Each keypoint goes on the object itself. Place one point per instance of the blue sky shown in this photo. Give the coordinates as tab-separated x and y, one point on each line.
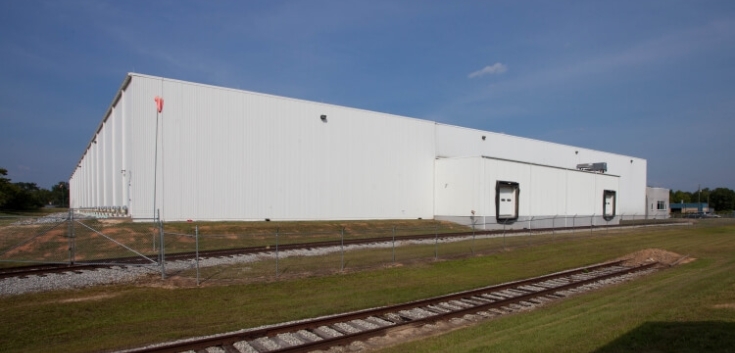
651	79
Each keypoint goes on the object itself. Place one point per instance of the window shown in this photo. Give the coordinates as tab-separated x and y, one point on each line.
661	205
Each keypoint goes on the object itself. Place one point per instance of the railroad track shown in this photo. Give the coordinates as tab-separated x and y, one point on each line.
43	269
340	330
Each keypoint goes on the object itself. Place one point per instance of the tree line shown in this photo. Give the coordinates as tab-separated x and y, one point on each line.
721	199
29	196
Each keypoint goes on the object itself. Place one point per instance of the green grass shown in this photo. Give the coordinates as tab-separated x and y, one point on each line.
686	308
300	266
689	308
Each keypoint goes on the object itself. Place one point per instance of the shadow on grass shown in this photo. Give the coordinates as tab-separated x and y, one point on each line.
704	336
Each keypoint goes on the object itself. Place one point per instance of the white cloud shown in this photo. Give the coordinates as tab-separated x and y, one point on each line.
496	68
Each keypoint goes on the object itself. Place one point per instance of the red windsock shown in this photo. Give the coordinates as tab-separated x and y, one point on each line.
159	103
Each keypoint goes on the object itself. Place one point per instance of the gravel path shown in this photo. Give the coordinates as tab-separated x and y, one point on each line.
47	219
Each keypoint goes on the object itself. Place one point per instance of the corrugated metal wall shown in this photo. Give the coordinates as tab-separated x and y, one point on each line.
228	154
464	184
98	182
224	154
453	141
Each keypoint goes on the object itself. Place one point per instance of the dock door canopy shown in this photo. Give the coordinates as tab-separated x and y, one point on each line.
608	204
506	201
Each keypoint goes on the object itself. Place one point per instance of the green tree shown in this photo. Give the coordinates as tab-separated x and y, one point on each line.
704	197
722	199
678	196
7	189
26	196
60	194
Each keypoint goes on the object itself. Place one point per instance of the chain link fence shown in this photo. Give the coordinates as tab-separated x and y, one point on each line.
74	238
222	251
279	254
25	240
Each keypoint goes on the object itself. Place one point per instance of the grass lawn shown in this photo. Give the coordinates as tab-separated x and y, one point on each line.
687	308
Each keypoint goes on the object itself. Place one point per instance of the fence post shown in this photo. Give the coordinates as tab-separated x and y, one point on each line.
504	222
277	233
574	218
394	244
436	242
342	247
530	221
72	242
196	240
592	222
153	237
472	249
162	248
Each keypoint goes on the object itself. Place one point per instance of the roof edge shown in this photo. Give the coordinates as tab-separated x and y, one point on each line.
115	99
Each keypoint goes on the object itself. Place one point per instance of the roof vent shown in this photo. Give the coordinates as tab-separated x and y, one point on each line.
593	167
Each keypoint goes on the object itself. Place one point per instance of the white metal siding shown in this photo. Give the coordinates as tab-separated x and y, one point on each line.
230	154
454	141
141	113
468	183
549	191
460	188
582	197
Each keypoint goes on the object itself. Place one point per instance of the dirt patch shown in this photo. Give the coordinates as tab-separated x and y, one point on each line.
89	298
108	221
725	306
153	280
655	255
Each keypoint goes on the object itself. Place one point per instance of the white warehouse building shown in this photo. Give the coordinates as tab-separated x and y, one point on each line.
216	153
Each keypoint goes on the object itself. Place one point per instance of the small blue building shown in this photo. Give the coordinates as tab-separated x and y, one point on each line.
692	207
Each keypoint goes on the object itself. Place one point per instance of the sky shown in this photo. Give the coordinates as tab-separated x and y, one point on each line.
650	79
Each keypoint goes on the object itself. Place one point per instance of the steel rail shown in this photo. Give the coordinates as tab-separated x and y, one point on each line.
228	340
43	269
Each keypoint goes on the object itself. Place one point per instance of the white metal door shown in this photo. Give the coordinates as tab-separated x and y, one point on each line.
507	202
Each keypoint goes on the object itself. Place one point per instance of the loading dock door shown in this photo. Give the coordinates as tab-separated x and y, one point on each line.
608	206
506	201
